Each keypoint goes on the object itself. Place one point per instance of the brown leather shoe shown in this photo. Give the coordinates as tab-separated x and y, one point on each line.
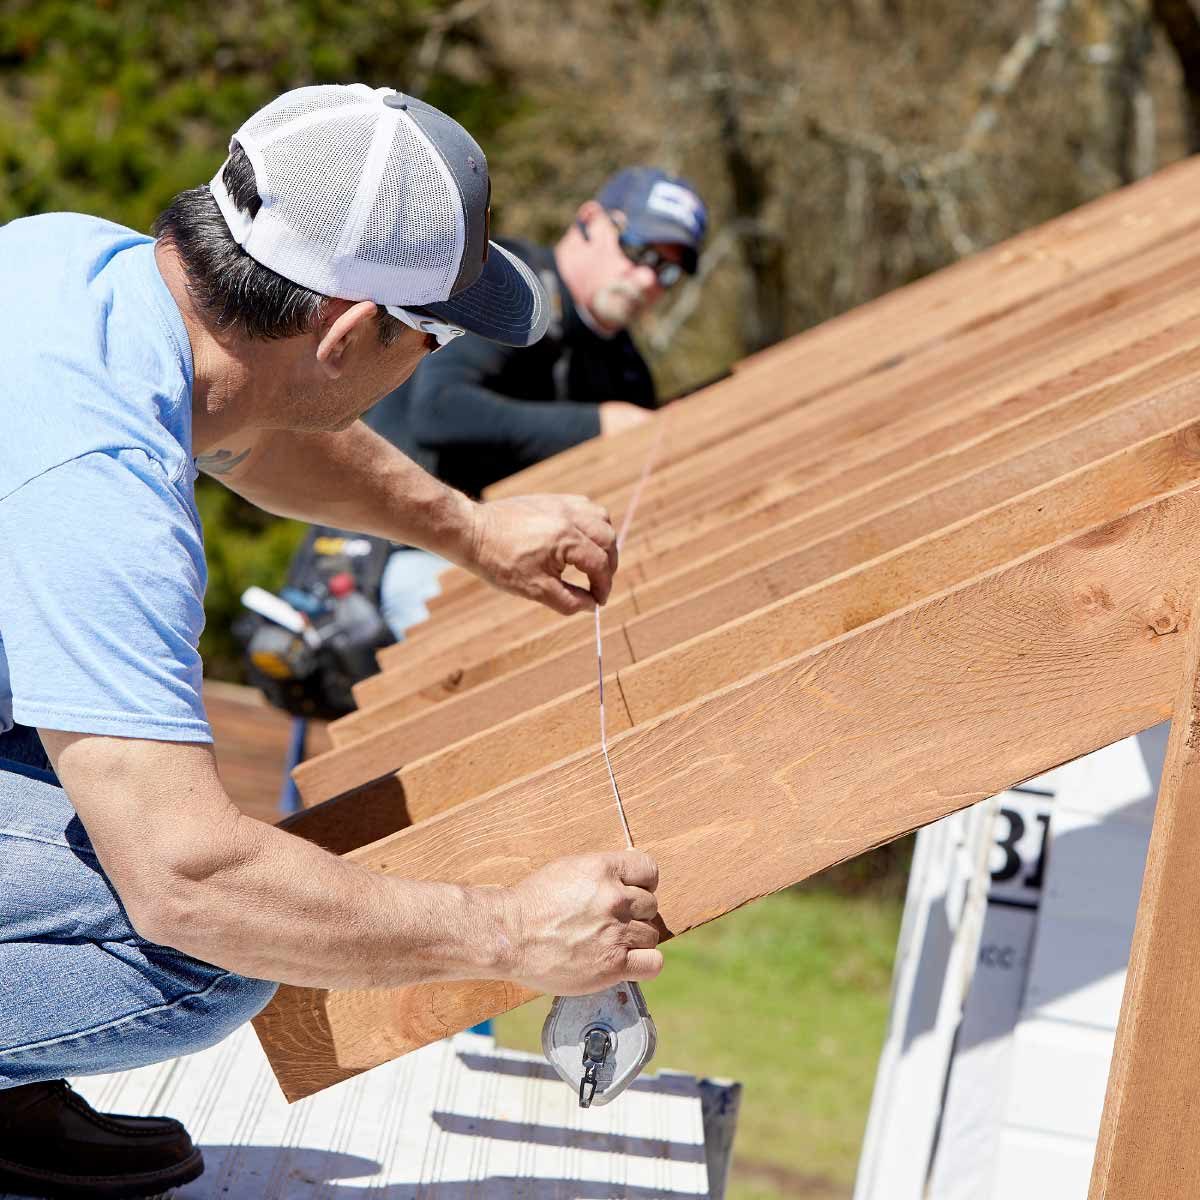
54	1144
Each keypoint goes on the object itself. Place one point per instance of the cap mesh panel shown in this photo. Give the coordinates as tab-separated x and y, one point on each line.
313	173
414	214
300	103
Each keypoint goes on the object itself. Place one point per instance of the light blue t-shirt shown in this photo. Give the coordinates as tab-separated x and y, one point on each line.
101	557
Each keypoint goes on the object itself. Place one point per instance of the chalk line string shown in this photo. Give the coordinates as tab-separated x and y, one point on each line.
631	508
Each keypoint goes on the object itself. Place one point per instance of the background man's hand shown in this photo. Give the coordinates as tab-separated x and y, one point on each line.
523	545
616	416
583	923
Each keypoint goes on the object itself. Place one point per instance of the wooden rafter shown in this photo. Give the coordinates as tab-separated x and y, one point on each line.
723	653
813	761
822	539
775	466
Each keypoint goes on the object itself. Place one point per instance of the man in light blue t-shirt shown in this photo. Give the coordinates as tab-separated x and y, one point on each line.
345	237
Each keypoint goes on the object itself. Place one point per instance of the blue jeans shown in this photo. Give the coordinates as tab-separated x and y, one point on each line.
409	579
80	992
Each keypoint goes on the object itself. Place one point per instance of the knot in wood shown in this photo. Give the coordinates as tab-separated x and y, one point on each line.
1163	619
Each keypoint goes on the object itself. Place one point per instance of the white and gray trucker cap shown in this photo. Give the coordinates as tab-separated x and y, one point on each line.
369	194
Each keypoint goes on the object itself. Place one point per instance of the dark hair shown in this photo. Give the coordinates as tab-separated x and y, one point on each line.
232	289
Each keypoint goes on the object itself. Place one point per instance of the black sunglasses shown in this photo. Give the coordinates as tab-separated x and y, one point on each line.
666	270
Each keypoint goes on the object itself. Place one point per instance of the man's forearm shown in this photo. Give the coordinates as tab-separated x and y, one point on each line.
356	480
195	874
271	906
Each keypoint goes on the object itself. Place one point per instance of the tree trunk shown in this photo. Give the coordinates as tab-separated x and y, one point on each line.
1118	34
1180	23
761	317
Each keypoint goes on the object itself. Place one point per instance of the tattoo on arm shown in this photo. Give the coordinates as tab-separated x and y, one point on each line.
220	462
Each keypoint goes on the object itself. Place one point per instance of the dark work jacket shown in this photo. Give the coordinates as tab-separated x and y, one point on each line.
475	412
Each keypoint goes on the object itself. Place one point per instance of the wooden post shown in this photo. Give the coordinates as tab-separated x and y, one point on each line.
1149	1145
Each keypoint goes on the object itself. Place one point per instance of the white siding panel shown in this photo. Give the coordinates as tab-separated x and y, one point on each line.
979	1075
944	913
1097	870
1041	1166
1114	783
1062	1070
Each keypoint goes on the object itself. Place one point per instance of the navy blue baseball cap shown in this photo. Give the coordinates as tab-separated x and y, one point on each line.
658	208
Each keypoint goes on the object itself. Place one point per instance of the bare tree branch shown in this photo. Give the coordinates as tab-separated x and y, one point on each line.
1043	34
671	322
1118	42
1144	151
931	183
846	283
435	36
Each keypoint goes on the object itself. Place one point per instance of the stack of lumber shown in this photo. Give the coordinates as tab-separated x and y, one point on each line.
913	556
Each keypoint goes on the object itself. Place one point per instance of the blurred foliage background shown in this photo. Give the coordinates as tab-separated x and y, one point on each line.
845	146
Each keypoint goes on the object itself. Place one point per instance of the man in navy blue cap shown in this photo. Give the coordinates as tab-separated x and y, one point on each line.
480	411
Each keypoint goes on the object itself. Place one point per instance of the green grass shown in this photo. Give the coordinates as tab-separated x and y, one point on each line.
789	996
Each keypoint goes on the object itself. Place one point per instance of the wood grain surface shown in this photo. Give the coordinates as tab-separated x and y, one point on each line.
502	622
396	744
1082	328
1148	1148
737	643
813	761
1137	404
